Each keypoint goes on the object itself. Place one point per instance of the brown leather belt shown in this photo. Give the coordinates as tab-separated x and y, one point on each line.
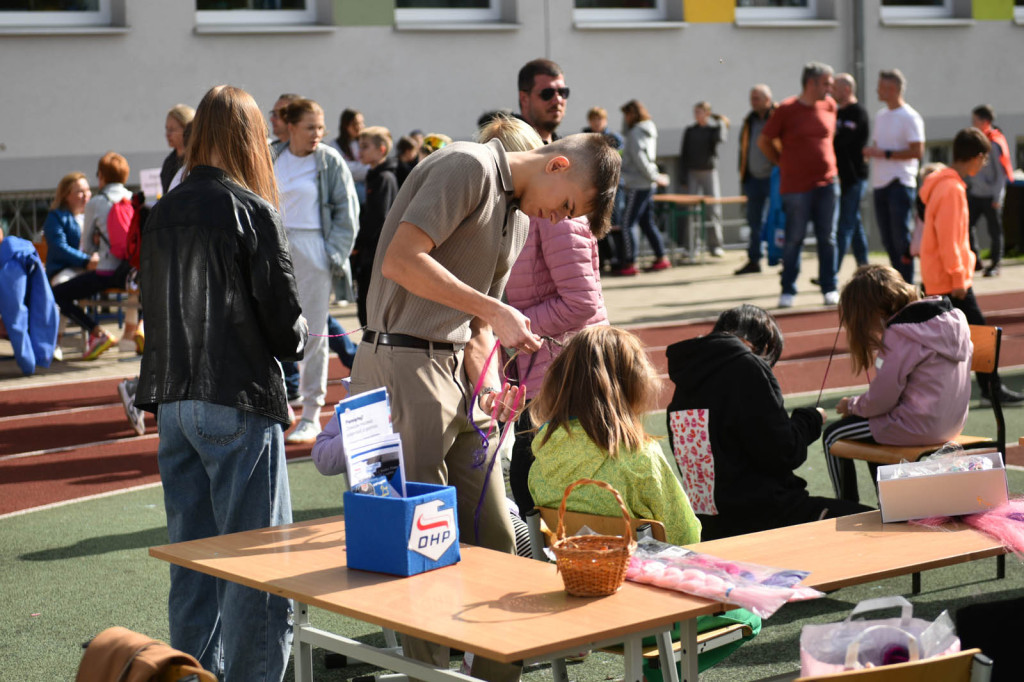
405	341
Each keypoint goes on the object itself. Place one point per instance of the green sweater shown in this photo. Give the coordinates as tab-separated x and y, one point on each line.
648	486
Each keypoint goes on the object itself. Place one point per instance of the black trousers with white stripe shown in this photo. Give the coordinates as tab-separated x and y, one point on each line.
840	469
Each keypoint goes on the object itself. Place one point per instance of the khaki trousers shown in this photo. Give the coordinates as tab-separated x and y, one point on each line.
429	406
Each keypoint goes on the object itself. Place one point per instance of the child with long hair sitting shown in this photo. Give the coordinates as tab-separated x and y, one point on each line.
921	351
591	407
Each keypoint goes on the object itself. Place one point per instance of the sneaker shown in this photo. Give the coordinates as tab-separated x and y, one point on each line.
125	344
295	400
832	298
786	300
630	271
305	432
97	346
717	252
660	264
752	267
291	415
991	271
1006	397
815	282
58	354
135	416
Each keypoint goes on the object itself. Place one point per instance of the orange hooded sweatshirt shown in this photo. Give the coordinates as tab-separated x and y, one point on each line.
947	262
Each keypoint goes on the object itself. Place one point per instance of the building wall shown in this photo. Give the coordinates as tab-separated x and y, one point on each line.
71	97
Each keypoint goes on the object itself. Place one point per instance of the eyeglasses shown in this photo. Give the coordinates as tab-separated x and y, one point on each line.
547	93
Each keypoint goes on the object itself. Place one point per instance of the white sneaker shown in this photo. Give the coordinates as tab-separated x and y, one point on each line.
832	298
305	432
717	252
135	416
786	301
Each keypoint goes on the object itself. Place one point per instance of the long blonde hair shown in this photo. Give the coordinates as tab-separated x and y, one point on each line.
228	124
873	295
60	199
602	378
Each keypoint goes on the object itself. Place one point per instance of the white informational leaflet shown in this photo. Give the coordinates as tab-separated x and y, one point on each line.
373	451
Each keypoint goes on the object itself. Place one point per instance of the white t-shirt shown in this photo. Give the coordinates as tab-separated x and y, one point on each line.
296	183
894	130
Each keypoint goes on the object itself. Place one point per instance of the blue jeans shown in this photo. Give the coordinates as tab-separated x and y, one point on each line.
819	207
757	192
223	471
850	229
639	209
893	205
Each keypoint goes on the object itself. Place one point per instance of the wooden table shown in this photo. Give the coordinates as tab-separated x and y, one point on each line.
508	608
686	205
504	607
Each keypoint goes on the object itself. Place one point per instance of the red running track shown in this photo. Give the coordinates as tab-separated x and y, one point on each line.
83	445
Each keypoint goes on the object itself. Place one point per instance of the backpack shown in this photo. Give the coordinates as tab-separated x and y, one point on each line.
133	240
119	224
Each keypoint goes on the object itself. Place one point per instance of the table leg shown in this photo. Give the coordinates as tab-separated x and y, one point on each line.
688	650
633	653
303	650
669	671
558	671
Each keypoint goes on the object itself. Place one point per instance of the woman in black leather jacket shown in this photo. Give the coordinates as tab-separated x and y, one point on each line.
221	311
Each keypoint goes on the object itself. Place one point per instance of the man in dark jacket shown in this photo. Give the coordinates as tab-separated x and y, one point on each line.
732	438
755	172
852	131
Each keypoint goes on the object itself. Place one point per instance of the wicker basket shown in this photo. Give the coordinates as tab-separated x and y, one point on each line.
593	565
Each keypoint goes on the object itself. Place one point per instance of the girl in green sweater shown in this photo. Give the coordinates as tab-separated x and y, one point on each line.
590	409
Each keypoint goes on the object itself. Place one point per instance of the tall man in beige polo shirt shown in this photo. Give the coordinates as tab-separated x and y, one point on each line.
446	249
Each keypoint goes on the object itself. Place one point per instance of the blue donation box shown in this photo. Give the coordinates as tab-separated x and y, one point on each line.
402	535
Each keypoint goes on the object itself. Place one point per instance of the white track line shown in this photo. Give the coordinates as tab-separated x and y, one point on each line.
68	448
58	413
109	493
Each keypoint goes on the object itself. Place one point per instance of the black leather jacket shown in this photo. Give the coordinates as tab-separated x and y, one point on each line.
219	293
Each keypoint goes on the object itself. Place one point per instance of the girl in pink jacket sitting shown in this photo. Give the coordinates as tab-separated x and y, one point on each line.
921	352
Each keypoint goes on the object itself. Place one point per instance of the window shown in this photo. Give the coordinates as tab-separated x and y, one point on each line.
55	12
459	11
619	10
280	12
917	9
1018	11
776	10
938	152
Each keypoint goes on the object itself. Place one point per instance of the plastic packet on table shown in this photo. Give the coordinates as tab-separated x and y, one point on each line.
759	589
949	458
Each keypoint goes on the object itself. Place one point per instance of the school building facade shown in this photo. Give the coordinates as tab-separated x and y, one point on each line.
82	77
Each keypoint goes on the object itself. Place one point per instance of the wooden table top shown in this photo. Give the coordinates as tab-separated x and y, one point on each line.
505	607
855	549
696	199
509	608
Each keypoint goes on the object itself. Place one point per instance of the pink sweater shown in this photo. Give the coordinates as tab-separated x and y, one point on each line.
556	282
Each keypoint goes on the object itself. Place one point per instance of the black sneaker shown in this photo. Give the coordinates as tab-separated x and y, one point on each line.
750	268
991	271
1007	396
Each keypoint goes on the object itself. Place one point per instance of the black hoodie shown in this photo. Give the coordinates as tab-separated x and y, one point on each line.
755	444
381	189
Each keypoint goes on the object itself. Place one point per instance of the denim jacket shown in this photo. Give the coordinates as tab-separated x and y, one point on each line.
339	211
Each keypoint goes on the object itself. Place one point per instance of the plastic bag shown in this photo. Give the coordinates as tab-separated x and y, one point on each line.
854	644
759	589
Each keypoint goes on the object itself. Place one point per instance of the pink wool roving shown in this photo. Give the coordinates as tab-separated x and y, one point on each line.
1005	523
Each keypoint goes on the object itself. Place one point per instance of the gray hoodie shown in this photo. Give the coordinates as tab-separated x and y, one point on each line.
990	182
639	171
95	221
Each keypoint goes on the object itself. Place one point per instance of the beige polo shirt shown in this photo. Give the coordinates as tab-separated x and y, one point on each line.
462	197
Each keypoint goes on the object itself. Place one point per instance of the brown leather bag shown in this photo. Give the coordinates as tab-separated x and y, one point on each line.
120	655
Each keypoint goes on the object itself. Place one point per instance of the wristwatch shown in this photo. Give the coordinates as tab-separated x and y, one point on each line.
888	153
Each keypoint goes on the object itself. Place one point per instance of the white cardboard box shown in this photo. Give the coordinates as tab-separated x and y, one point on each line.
952	493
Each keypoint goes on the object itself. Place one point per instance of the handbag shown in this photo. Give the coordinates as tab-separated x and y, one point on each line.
854	644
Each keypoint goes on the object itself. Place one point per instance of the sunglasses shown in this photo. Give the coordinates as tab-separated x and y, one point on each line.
547	93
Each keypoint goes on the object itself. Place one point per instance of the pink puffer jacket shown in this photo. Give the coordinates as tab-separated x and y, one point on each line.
556	282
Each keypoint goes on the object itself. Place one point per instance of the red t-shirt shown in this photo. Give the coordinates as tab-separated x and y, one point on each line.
808	157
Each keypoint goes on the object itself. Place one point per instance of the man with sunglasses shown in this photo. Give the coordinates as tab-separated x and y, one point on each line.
278	127
542	97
